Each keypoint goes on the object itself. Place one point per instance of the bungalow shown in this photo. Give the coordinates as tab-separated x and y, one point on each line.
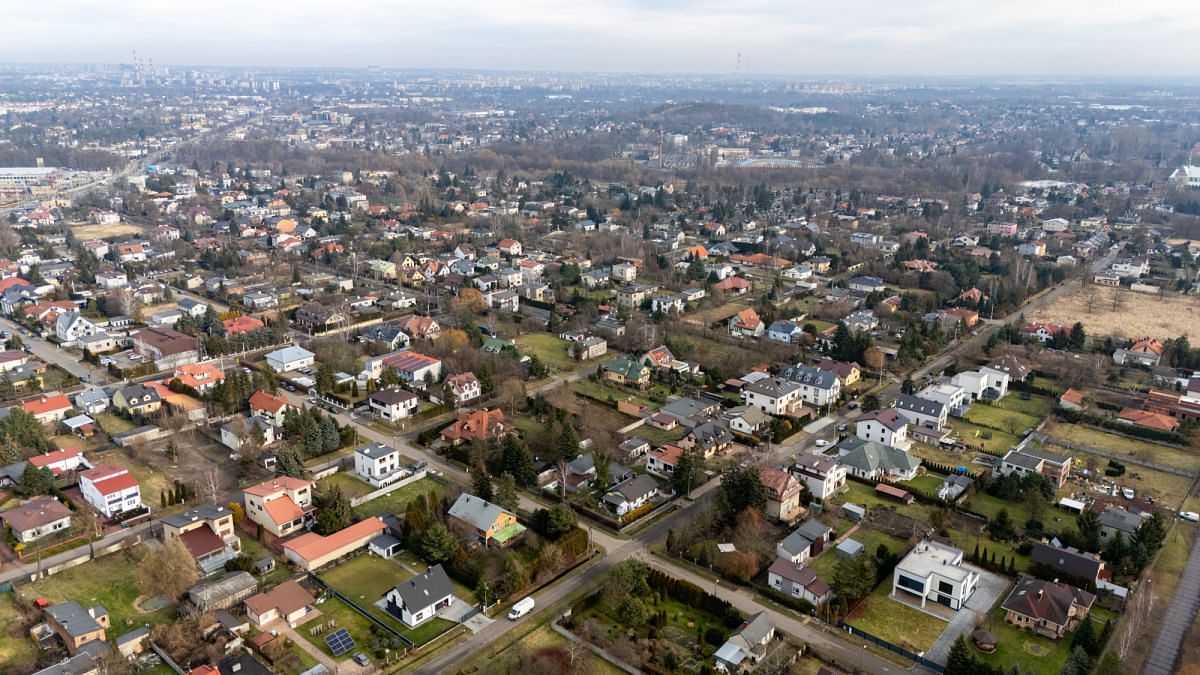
288	602
1051	609
631	494
36	518
290	358
873	460
746	323
788	332
1148	419
311	551
746	419
867	284
49	408
413	367
420	598
60	461
785	576
804	542
1072	399
485	521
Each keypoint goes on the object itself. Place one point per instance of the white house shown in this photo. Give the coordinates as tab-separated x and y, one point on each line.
110	489
378	464
393	404
420	598
824	476
817	387
464	388
290	358
798	582
885	426
747	645
922	412
772	395
984	383
935	572
631	494
952	396
70	326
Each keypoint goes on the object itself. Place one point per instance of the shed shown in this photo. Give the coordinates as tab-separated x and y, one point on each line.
894	492
384	546
854	511
1072	505
849	548
265	565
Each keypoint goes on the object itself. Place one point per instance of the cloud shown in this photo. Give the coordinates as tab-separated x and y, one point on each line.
920	37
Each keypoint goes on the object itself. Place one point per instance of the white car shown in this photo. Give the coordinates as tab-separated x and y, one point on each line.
1190	515
821	442
1127	493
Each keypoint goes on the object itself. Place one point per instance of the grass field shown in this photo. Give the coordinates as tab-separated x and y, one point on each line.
551	350
351	486
1124	445
17	651
395	502
870	538
1000	418
1135	314
343	617
1036	405
111	423
1000	441
895	621
92	231
368	578
110	581
603	392
1167	569
928	483
1032	653
510	658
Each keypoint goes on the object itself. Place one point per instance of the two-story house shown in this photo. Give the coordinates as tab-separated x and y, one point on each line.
934	572
110	489
824	476
378	464
393	405
488	523
885	426
783	493
207	533
280	504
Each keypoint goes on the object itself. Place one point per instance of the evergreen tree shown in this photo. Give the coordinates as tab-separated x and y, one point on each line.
568	442
1078	663
481	484
334	512
506	495
961	661
288	463
1085	638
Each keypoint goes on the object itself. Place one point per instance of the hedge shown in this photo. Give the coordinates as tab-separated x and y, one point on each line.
1111	424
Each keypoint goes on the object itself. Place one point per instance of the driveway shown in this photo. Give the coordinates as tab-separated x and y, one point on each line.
991	587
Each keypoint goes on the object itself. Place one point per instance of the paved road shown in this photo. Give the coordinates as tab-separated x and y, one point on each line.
51	354
1177	620
18	570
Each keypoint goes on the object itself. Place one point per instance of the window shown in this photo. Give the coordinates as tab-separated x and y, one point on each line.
911	584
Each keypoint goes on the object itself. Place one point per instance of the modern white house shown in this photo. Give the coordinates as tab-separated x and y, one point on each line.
420	598
952	397
984	383
110	489
885	426
935	572
393	404
824	476
290	358
378	464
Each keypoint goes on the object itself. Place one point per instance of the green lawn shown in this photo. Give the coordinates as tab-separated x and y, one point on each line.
1124	445
657	436
17	652
604	392
1037	405
870	538
1000	441
999	418
351	486
254	550
895	621
928	483
111	423
1022	648
967	540
367	578
551	350
343	617
395	502
110	581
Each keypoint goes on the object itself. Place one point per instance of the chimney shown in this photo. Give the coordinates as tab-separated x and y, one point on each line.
1041	592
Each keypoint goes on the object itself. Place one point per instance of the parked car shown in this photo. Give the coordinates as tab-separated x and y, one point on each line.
361	659
1190	515
523	607
1127	493
842	427
821	442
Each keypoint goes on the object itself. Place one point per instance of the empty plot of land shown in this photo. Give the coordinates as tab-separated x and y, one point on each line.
102	231
711	315
1133	314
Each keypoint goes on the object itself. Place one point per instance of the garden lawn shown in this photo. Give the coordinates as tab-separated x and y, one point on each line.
603	392
367	578
255	551
895	621
551	350
343	616
1031	652
17	651
998	418
967	540
351	486
658	437
928	483
937	455
1037	405
111	423
870	538
509	659
864	495
396	501
1000	441
110	581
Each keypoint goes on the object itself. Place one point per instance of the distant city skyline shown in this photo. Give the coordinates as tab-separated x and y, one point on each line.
868	37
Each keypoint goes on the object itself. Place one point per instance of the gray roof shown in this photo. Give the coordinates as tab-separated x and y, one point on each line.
636	487
203	595
821	379
869	456
684	408
916	404
74	618
91	396
1120	519
802	538
138	391
425	589
772	386
202	512
712	433
82	663
757	627
1069	560
375	450
392	396
480	513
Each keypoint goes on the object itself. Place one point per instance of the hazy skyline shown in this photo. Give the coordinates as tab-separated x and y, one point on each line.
865	37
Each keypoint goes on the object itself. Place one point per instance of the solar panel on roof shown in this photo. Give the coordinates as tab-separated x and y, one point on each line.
339	642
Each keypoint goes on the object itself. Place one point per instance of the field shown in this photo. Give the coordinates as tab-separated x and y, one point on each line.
999	442
102	231
1123	445
712	315
17	651
1138	313
367	578
895	621
511	657
110	581
999	418
870	539
395	502
1036	405
351	486
551	350
602	391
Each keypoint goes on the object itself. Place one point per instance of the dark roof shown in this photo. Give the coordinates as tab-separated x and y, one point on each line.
1069	560
916	404
74	619
244	664
425	589
1046	601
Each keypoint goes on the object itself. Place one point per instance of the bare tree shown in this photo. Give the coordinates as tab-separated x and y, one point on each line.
169	572
209	484
1138	613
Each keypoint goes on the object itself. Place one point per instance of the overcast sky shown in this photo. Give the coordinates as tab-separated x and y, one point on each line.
796	37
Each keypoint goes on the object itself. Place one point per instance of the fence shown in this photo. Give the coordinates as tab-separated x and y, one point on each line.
391	488
921	660
364	613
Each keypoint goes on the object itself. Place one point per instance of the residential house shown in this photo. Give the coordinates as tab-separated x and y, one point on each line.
36	518
867	284
886	426
772	395
415	368
168	348
1070	562
420	327
315	317
49	408
935	572
824	476
1148	419
922	412
747	645
804	542
746	419
873	460
60	461
280	504
627	371
746	323
1117	521
378	464
788	332
783	493
270	407
77	626
110	489
633	493
488	523
477	425
137	399
419	599
817	387
288	602
795	581
464	388
662	461
393	405
70	326
1072	399
985	383
311	551
207	531
848	374
710	437
954	487
1026	459
581	472
290	358
92	401
1050	609
1145	352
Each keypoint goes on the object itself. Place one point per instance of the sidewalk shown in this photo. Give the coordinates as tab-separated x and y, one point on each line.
18	570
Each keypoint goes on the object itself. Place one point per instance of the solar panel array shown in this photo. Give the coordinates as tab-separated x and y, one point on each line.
339	642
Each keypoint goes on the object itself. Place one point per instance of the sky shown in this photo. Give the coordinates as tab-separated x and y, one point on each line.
772	37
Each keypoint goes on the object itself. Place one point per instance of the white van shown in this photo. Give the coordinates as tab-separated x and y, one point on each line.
520	609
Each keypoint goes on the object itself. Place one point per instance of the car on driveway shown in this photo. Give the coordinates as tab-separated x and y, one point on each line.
361	659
